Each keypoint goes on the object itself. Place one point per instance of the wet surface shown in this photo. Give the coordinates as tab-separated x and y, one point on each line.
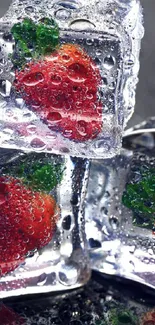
103	301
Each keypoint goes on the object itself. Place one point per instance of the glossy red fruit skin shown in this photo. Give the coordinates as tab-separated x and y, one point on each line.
27	221
62	89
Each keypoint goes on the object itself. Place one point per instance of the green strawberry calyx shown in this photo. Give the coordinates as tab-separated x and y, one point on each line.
140	198
33	40
122	317
37	176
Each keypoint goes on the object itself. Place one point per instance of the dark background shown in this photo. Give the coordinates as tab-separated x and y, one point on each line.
145	100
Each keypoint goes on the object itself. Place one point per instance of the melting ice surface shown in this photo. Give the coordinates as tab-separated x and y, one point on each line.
114	49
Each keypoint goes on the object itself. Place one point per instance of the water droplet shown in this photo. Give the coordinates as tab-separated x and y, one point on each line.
27	115
62	14
82	127
19	102
54	117
113	220
105	81
65	57
129	62
109	62
97	61
105	109
29	9
111	85
94	243
33	79
77	72
42	280
8	131
82	24
5	88
38	144
64	150
104	211
55	79
100	146
98	52
31	128
107	194
66	222
67	133
89	41
7	37
68	273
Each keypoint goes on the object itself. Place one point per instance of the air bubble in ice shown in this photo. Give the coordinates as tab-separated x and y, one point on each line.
109	62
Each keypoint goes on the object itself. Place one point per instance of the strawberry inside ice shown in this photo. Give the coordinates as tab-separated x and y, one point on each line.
27	221
62	89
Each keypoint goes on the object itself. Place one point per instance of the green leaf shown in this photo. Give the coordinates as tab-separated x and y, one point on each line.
140	198
38	176
25	37
33	40
44	178
122	317
47	36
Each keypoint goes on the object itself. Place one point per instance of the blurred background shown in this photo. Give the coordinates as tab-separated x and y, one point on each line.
145	100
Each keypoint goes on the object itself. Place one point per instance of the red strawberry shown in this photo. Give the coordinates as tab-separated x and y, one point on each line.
27	221
62	90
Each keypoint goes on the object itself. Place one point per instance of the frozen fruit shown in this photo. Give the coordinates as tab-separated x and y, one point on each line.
62	89
27	221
